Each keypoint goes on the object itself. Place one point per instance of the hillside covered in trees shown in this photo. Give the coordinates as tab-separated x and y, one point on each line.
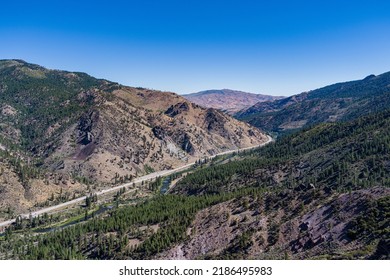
319	193
338	102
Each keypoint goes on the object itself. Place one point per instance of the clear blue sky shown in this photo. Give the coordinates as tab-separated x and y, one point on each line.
271	47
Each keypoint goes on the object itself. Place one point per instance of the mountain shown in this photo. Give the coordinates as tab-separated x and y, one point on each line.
321	193
227	100
62	132
338	102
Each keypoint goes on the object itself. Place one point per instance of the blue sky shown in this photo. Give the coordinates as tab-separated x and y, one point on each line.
270	47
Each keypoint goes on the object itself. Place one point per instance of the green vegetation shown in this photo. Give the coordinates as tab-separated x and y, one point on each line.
299	173
317	161
240	246
155	185
23	170
107	238
44	100
374	221
341	102
148	169
342	156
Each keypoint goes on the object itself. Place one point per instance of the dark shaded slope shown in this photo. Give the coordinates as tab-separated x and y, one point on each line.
342	101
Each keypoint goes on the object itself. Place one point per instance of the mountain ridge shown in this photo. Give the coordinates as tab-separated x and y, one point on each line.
227	100
70	127
337	102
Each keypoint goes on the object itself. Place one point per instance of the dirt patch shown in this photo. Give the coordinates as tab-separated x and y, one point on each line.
8	110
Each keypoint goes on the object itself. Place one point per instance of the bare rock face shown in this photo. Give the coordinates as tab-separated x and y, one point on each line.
187	145
86	138
159	132
85	126
177	109
214	121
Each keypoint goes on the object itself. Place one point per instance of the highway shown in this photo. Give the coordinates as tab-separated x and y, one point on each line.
148	177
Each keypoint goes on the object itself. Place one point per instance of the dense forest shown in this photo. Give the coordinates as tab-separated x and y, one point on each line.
108	237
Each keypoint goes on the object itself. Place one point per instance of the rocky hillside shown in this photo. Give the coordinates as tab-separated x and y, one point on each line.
290	225
68	127
325	195
227	100
322	193
338	102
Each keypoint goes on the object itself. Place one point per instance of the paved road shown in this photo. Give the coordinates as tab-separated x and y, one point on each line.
150	176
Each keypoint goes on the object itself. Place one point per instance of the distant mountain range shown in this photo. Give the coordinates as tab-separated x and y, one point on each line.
338	102
227	100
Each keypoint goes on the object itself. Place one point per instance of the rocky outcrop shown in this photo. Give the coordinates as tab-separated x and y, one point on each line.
186	144
85	126
177	109
159	132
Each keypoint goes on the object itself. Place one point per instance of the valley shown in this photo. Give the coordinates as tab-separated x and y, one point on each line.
91	169
140	180
65	134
